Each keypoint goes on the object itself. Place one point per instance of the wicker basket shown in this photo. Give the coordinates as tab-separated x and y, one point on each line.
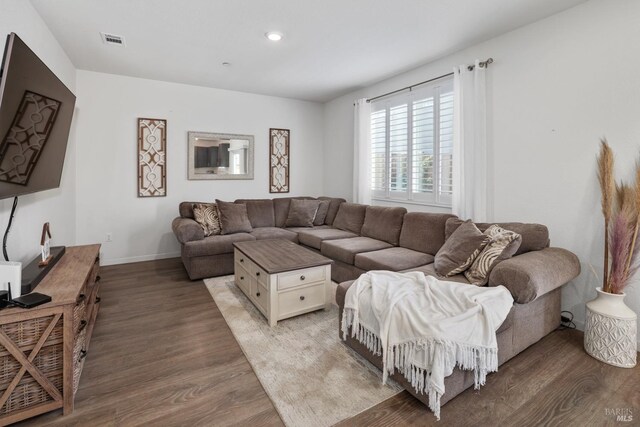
28	392
27	333
79	313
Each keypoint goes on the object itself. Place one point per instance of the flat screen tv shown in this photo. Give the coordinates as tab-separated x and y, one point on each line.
36	109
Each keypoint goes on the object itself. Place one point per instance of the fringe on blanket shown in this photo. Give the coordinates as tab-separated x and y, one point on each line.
481	360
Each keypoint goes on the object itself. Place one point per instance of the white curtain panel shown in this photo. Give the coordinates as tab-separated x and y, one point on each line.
470	143
362	152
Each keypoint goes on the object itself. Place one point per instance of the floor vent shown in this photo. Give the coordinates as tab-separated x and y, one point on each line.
112	39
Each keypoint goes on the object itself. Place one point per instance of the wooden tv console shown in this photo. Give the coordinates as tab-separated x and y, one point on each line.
42	349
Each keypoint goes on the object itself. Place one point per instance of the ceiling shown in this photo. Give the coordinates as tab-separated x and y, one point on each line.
330	47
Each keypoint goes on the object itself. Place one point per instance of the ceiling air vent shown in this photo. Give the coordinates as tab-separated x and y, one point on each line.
112	39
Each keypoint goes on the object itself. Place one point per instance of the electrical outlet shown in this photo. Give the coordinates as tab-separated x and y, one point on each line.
108	237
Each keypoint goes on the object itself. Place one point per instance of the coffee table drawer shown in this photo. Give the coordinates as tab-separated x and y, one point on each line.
260	295
300	277
242	278
301	300
242	260
260	275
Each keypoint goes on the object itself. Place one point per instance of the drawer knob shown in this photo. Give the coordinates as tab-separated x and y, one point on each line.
98	278
98	299
83	324
83	354
301	297
241	277
241	259
258	294
257	273
302	277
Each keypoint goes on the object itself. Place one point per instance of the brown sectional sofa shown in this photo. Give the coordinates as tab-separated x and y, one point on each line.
213	256
360	238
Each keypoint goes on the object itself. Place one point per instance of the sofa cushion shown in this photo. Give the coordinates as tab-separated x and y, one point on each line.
394	259
383	223
534	236
214	245
281	208
531	275
186	209
350	217
233	217
345	250
207	216
264	233
260	212
314	238
460	250
321	213
334	205
429	270
302	213
503	245
423	231
187	230
300	229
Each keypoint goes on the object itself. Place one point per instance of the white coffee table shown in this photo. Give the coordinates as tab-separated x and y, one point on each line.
281	278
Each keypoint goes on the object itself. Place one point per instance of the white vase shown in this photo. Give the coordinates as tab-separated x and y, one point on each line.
610	330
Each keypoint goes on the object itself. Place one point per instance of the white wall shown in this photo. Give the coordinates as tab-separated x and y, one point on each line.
555	88
55	206
107	201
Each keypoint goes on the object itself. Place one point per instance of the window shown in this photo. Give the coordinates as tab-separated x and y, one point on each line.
412	145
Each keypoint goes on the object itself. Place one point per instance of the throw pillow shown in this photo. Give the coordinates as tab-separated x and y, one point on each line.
503	245
233	217
321	215
460	250
206	214
302	213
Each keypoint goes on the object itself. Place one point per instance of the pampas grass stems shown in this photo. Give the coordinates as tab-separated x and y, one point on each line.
633	248
621	211
608	189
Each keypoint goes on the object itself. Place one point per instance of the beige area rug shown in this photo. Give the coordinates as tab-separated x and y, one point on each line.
310	376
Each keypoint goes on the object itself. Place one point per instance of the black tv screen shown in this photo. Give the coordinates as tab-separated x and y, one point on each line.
36	109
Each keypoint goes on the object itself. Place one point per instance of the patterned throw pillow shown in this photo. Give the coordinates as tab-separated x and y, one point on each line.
503	245
206	214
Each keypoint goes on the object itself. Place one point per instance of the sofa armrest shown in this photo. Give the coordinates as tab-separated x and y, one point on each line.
535	273
187	230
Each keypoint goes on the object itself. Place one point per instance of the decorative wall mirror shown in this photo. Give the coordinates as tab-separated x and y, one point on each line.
220	156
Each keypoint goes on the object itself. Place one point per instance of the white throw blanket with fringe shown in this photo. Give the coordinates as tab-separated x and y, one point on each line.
425	327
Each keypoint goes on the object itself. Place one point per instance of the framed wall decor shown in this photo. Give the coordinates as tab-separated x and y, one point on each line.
152	168
279	160
220	156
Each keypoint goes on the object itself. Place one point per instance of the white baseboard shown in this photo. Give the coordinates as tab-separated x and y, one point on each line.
128	260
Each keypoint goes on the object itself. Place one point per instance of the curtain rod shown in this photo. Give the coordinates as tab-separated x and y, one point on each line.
482	64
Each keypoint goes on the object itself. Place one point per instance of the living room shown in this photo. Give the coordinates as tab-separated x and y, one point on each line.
562	76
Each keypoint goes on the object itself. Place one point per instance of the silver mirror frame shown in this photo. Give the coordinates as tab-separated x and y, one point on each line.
191	156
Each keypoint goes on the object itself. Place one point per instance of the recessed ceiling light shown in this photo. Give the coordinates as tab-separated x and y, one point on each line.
274	36
226	64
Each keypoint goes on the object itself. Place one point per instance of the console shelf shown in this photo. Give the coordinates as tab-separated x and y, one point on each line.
42	349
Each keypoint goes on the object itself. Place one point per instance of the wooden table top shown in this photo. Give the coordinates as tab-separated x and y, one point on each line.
64	281
277	256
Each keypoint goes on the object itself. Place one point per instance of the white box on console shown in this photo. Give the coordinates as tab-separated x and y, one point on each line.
11	272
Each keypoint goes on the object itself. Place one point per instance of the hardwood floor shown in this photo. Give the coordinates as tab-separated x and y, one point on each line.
162	355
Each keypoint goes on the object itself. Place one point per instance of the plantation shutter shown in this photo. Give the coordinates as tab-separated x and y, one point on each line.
412	146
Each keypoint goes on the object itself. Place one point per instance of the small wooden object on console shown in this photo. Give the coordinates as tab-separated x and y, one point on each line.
42	349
